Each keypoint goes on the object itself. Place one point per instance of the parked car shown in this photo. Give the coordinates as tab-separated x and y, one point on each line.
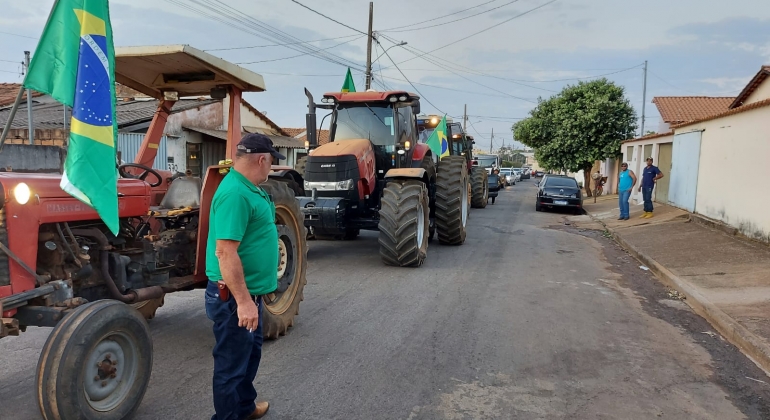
559	191
509	178
539	174
517	172
525	173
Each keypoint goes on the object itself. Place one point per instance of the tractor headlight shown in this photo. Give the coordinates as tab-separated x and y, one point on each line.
345	185
407	145
22	193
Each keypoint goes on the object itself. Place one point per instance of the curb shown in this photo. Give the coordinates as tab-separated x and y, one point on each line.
747	342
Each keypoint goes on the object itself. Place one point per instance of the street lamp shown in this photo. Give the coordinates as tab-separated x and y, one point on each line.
400	44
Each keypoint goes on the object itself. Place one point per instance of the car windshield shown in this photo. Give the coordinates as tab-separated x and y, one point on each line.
506	171
560	182
486	161
360	121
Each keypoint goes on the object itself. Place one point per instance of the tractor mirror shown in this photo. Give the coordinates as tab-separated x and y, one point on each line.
416	108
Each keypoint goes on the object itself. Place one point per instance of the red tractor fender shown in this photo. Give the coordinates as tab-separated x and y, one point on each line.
420	150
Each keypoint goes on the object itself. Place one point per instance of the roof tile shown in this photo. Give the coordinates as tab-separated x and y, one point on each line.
323	135
682	109
8	92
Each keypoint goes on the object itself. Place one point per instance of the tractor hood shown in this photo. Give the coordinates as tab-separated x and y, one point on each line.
47	185
358	148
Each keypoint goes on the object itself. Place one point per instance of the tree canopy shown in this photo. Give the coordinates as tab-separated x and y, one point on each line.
580	125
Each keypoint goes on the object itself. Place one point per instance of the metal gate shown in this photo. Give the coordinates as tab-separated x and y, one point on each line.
213	152
685	160
129	144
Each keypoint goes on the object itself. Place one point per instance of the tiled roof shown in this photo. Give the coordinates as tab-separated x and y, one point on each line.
263	117
51	115
681	109
763	74
739	110
278	141
650	136
301	134
8	92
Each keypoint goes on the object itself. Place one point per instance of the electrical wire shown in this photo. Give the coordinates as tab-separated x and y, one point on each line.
675	87
327	17
9	61
413	86
436	18
22	36
453	21
279	45
299	55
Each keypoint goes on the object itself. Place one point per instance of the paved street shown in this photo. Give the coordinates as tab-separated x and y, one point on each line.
530	319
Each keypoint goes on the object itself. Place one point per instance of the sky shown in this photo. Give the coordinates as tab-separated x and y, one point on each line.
495	56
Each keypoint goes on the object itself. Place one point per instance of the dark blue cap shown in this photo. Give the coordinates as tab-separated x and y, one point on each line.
258	143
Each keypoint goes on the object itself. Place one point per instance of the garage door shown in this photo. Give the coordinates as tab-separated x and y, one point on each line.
684	170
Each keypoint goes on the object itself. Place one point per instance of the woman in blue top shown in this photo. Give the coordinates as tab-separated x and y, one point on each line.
625	186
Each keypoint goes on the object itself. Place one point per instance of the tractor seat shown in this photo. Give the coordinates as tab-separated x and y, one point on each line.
183	192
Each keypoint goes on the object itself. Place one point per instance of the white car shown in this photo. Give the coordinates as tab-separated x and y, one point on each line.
510	176
517	171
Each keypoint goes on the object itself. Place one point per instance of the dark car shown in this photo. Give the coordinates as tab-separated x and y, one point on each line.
525	173
539	174
494	186
559	191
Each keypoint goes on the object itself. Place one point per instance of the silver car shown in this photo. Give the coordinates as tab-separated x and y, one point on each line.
509	175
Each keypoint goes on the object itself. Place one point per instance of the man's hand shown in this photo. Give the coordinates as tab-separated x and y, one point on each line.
248	315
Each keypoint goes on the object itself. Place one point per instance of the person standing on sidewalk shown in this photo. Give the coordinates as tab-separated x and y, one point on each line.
650	175
241	261
625	186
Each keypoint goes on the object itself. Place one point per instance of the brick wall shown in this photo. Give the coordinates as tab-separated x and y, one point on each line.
43	137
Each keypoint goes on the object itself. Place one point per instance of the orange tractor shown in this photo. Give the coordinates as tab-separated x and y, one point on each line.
61	267
376	175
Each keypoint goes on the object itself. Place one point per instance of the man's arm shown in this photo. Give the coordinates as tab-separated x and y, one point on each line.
232	274
658	176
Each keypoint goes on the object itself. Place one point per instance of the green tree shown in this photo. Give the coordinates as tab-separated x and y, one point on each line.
580	125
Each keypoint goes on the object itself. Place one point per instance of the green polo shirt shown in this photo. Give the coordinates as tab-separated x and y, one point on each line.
243	212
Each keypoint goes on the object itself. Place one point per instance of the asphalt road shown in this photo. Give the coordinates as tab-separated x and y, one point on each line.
529	319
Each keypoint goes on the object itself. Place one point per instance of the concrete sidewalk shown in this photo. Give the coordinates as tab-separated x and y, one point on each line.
725	279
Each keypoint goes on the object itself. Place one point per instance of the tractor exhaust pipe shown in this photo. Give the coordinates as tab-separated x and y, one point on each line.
310	122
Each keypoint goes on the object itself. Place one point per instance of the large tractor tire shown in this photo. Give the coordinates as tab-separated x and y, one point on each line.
404	223
282	305
96	364
430	171
452	200
479	188
301	165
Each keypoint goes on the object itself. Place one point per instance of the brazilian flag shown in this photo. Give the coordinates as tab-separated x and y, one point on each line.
437	141
349	86
75	64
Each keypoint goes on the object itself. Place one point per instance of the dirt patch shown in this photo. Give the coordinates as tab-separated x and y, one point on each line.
746	384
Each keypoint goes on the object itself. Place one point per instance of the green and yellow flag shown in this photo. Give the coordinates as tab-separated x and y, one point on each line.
349	86
437	141
75	64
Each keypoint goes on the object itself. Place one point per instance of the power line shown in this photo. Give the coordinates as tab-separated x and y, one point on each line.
331	19
8	71
10	61
486	29
452	21
413	86
436	18
675	87
280	45
299	55
21	36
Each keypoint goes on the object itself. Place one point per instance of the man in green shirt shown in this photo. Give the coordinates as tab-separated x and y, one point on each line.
242	266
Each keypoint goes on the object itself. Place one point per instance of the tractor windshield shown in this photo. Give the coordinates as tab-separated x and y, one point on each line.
486	161
365	121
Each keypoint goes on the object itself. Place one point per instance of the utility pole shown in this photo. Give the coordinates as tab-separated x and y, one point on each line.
644	97
492	140
369	49
465	119
29	103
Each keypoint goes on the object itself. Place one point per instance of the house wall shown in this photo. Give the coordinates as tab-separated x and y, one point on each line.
176	147
761	93
207	116
32	158
636	160
248	119
740	141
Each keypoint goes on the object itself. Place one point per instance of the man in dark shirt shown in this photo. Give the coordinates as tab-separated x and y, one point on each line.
650	175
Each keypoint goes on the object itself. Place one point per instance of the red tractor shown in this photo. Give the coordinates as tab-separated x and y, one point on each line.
376	175
460	144
61	267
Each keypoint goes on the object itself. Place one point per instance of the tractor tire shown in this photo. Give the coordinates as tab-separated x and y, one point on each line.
148	308
404	223
96	364
281	306
301	165
430	171
452	200
479	188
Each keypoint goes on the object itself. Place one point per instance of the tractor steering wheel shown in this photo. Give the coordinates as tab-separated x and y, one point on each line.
143	175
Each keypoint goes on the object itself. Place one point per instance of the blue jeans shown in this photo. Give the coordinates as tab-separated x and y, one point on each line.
236	358
623	197
647	195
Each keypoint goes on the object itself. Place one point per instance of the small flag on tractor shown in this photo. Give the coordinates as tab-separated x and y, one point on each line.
437	141
349	86
74	63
